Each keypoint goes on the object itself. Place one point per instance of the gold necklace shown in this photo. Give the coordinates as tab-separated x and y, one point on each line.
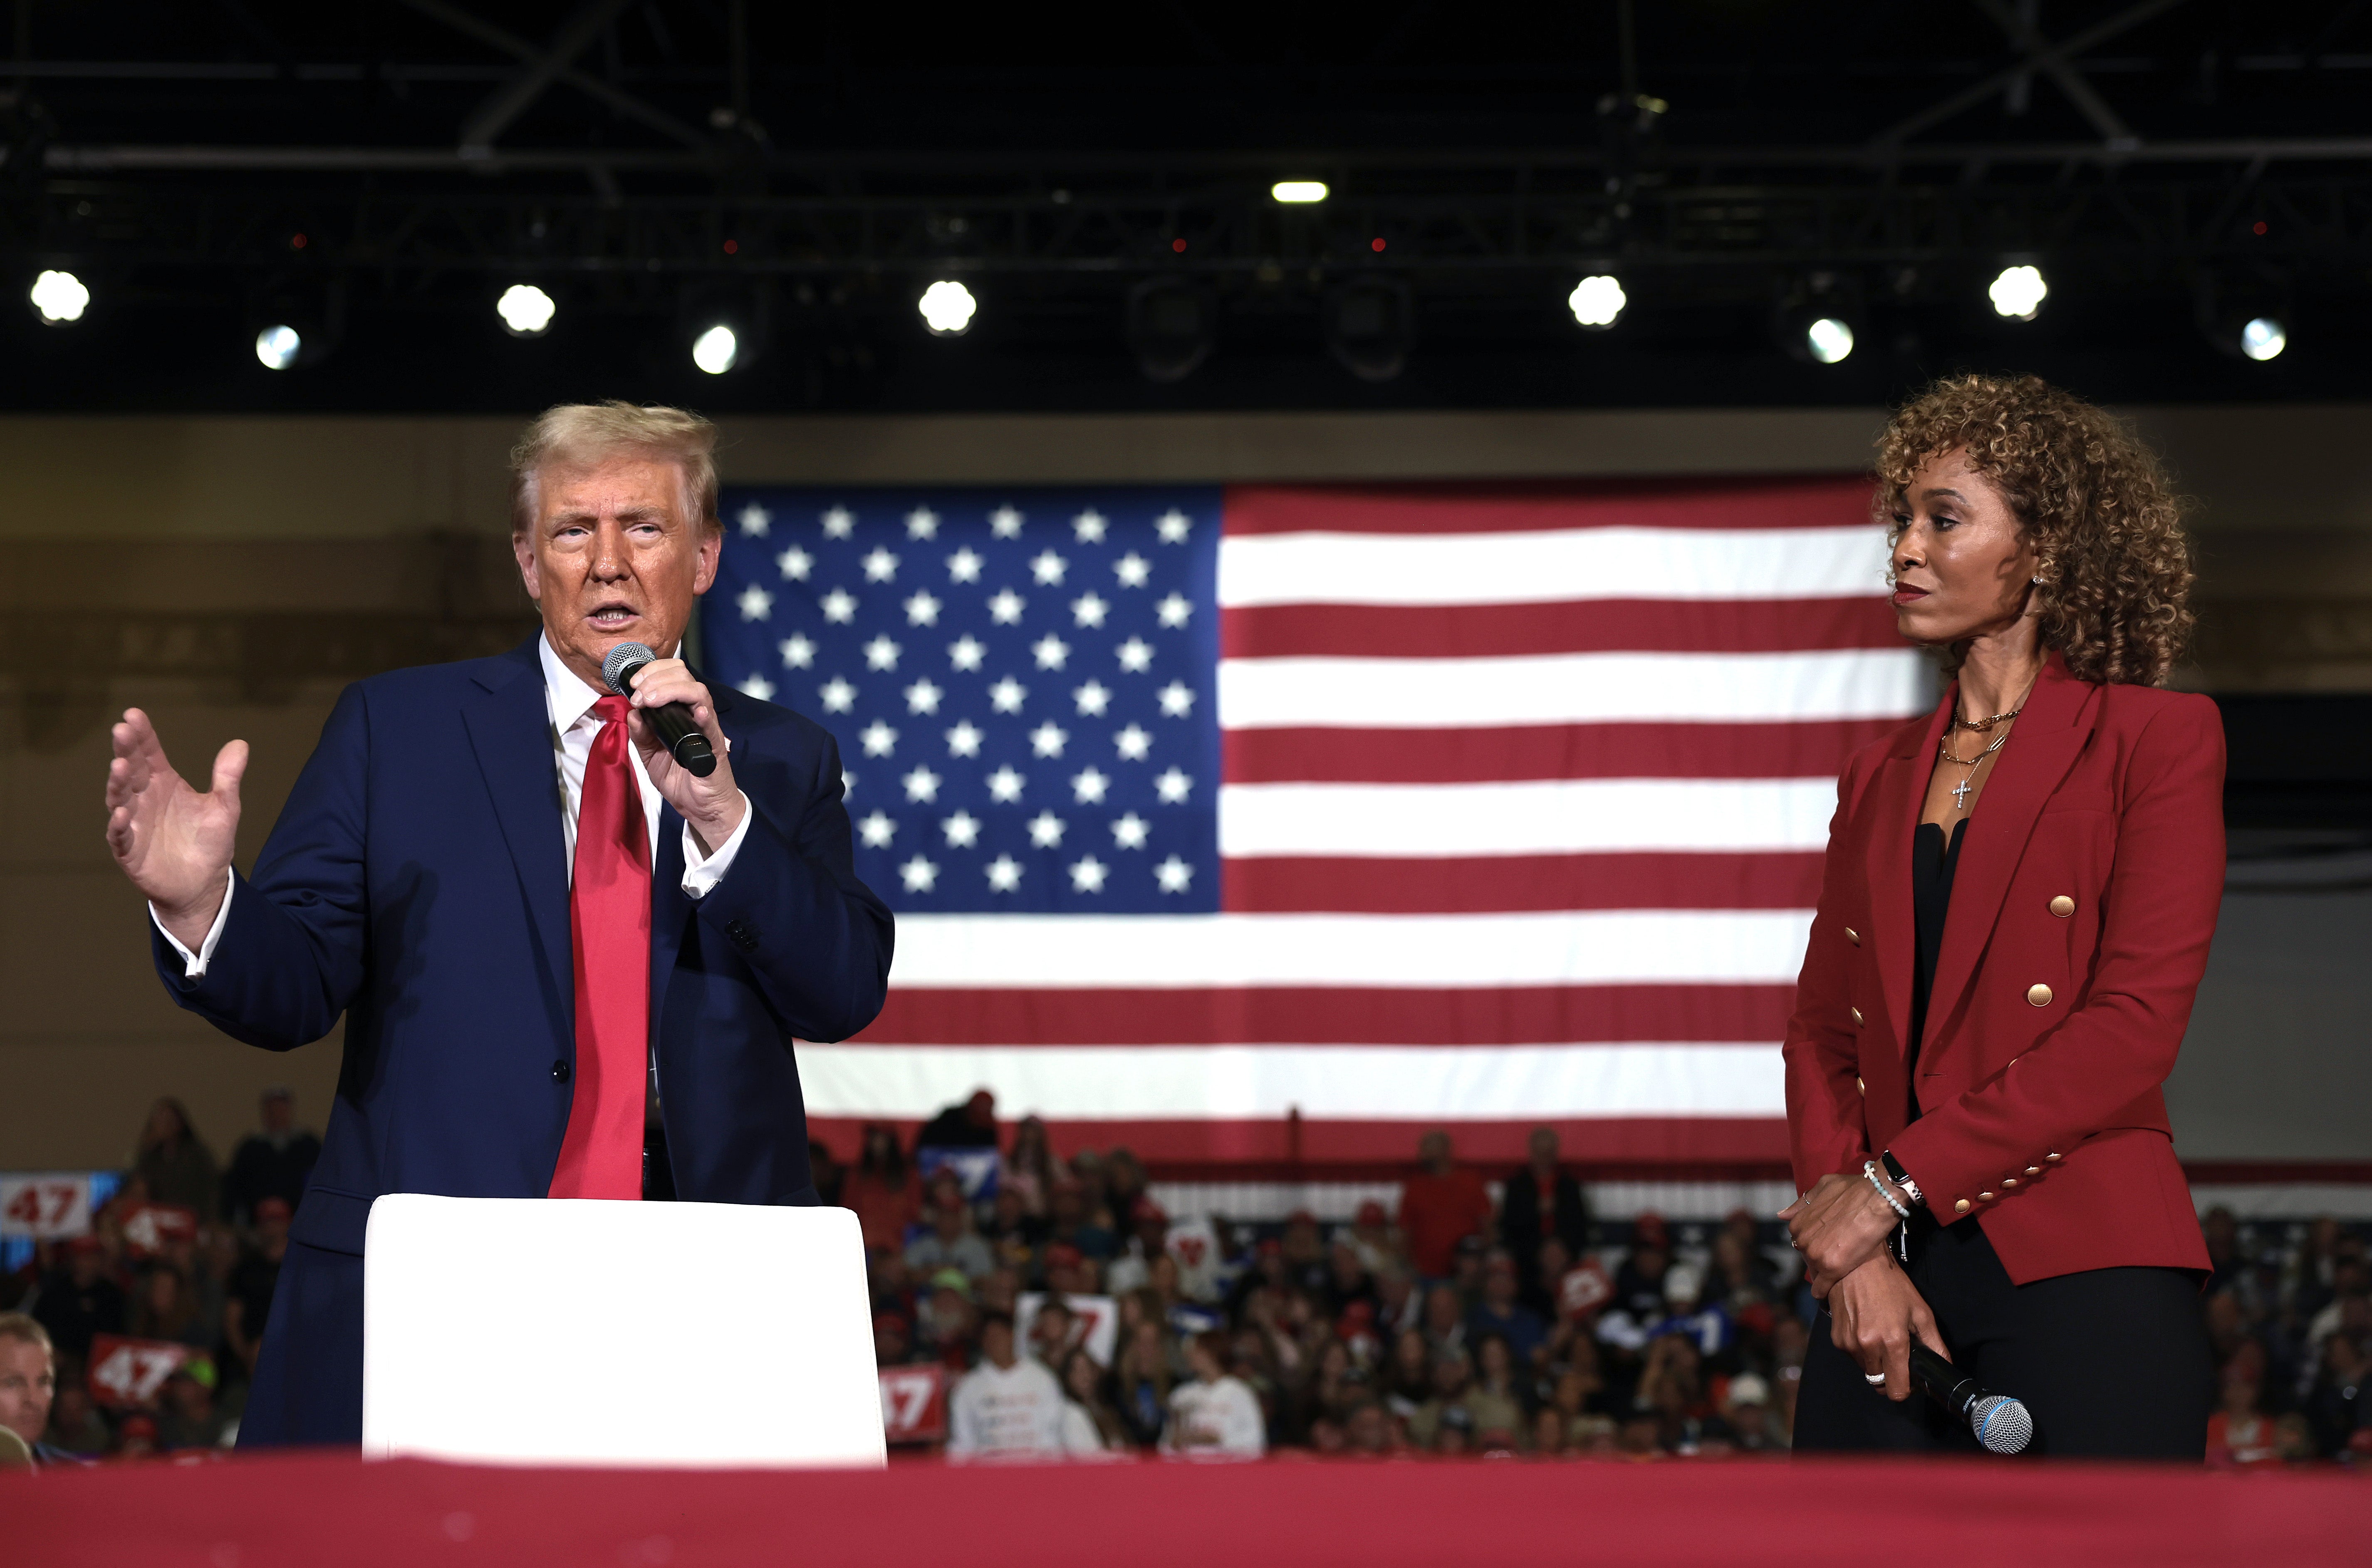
1959	723
1944	749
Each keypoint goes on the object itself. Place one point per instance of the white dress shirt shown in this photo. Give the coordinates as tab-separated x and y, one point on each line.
568	702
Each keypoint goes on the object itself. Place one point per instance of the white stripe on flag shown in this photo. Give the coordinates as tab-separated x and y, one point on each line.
1534	817
1169	1083
1551	565
1587	948
1386	694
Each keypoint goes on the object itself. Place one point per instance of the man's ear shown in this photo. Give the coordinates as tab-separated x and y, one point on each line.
523	547
704	571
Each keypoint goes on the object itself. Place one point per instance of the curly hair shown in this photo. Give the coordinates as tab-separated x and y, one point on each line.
2114	563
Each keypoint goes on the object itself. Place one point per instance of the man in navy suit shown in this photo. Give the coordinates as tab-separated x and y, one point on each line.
540	930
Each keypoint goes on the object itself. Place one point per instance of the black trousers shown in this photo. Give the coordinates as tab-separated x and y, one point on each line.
2113	1363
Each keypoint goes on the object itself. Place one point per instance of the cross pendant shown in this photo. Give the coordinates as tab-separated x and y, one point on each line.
1960	792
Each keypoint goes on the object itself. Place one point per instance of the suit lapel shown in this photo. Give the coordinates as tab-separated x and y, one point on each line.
2055	721
1893	808
510	732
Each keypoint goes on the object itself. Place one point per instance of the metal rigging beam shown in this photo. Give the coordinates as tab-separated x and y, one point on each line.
505	104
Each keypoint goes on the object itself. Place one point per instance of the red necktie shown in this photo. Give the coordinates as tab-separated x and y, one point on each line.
610	917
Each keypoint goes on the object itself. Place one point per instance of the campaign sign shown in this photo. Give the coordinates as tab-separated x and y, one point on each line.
1584	1290
1094	1322
914	1403
45	1206
152	1227
126	1374
976	1169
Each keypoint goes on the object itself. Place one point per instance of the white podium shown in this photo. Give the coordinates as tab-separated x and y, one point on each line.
530	1330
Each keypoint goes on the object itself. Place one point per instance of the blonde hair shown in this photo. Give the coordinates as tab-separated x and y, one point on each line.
26	1326
582	434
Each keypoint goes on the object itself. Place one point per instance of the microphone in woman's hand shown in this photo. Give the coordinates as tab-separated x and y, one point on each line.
2002	1425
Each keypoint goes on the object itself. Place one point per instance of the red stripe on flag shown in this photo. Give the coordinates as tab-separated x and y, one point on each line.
1815	502
1302	883
1505	631
1815	750
1334	1016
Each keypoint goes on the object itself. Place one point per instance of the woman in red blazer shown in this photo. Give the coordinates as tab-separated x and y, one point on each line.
2016	910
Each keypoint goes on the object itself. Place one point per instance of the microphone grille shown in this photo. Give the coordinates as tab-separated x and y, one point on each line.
2002	1425
624	657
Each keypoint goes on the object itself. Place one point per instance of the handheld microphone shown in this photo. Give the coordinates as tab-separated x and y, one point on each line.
671	720
2002	1425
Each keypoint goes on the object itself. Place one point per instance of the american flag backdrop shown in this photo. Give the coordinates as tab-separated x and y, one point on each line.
1275	823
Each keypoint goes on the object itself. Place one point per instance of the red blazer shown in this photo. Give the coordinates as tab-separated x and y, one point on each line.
2088	881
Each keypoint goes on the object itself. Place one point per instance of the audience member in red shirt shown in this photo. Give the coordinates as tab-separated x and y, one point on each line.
1440	1208
883	1192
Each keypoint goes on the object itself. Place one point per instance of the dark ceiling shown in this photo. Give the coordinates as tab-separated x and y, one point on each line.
382	169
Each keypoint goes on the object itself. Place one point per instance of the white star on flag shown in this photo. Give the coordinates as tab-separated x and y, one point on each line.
1047	740
838	604
1175	610
1134	570
964	740
1130	832
755	521
1088	610
1004	785
1089	787
756	603
1089	527
881	654
921	785
1134	744
1173	527
876	830
798	652
1093	699
758	686
838	695
963	566
880	566
1087	874
922	523
1004	523
1174	875
967	653
1004	874
879	739
922	610
1004	608
1176	700
847	780
839	523
1046	569
795	563
1046	830
1136	655
962	830
923	698
918	874
1007	694
1051	651
1174	788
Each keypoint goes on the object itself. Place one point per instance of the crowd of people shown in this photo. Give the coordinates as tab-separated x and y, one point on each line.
1067	1314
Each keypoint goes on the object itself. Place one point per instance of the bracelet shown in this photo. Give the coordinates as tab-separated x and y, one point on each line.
1869	1168
1901	1177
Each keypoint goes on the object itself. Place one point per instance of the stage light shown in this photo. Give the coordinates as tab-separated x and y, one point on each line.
1370	327
277	346
715	349
1827	340
527	311
1172	324
1598	301
2264	338
60	297
948	307
1299	192
2017	293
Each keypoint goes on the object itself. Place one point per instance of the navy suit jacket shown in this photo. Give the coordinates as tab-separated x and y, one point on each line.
416	883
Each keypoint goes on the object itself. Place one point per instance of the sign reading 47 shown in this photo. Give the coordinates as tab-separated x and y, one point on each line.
45	1206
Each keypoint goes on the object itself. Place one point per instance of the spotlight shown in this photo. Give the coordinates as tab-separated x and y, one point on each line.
1598	301
715	349
527	311
1370	326
1828	339
2246	316
1299	192
1819	321
1172	323
2017	293
2264	338
277	346
948	309
60	297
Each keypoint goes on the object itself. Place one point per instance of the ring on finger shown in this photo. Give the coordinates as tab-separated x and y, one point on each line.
1875	1379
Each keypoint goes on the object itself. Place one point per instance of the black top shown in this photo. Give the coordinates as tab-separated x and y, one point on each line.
1933	861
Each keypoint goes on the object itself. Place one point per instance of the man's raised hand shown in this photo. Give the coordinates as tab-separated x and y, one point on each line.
174	842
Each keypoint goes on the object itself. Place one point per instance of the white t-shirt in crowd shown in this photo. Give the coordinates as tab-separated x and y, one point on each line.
1221	1418
1007	1411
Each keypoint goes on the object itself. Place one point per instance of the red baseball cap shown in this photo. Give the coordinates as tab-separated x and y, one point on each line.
1062	1255
1147	1211
273	1209
1371	1212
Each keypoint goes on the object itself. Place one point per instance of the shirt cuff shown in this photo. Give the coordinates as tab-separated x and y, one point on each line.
699	875
194	964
